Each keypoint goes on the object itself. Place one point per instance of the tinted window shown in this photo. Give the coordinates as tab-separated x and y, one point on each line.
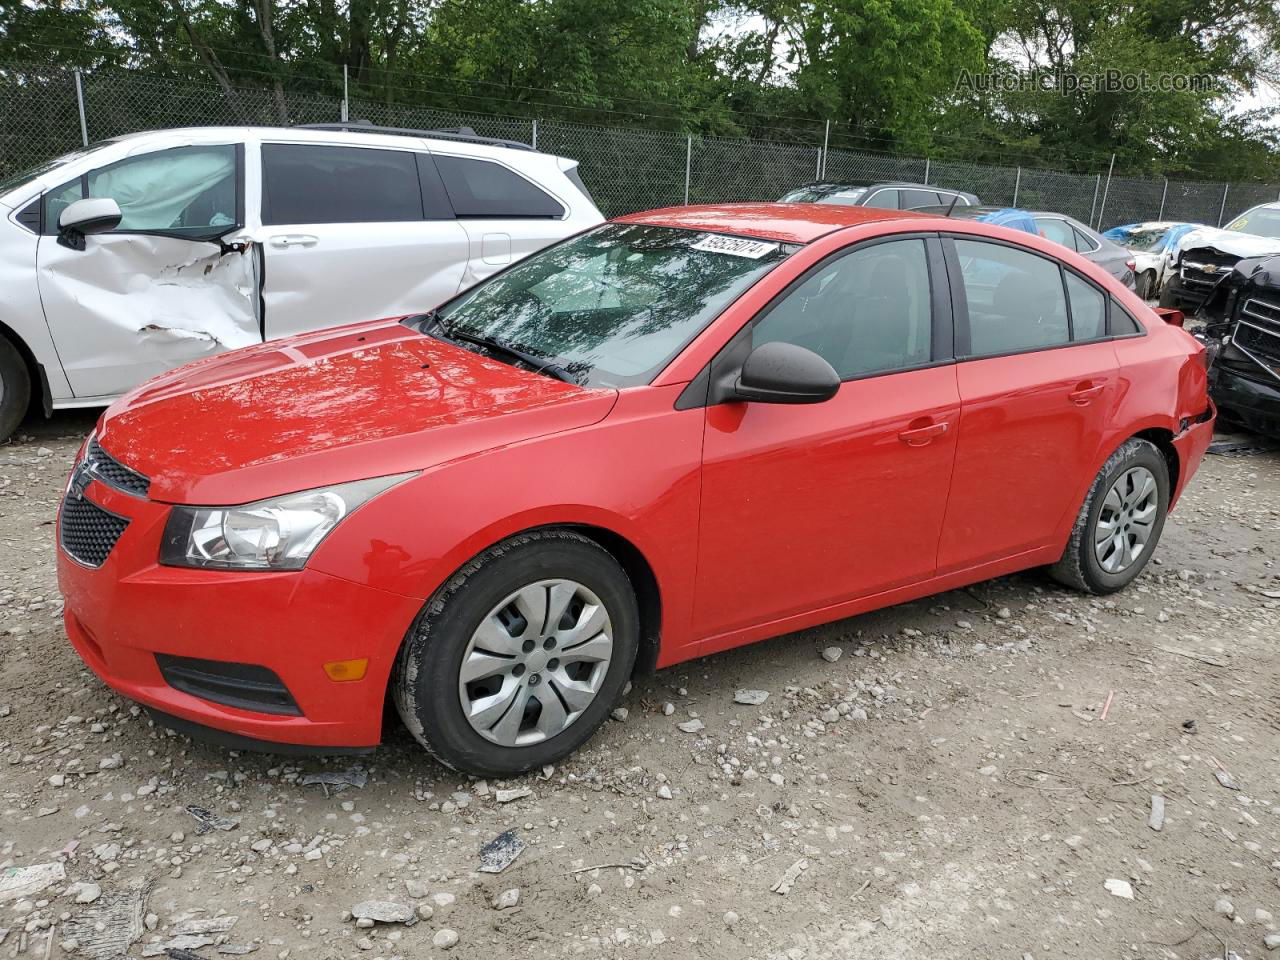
320	184
1123	322
1015	298
1088	309
865	312
1084	243
188	191
479	188
921	198
888	199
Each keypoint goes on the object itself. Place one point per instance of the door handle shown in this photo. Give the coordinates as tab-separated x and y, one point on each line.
919	436
294	240
1084	392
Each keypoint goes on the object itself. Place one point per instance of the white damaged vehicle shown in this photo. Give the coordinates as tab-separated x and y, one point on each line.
135	255
1207	255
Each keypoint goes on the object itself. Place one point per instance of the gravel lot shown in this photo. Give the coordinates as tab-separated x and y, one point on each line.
972	777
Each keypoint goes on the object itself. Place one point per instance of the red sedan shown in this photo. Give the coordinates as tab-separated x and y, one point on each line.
675	433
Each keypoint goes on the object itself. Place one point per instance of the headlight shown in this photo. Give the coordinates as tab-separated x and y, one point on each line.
275	534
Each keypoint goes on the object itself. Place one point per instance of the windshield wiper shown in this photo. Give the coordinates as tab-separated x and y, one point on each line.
539	364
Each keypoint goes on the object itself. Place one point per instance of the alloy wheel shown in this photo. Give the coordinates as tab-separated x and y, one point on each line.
535	663
1127	520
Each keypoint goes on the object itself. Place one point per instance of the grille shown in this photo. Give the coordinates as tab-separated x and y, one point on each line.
110	470
88	532
1202	268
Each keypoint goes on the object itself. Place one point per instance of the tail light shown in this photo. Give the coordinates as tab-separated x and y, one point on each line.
1132	265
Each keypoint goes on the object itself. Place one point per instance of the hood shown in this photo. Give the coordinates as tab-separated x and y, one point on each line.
1231	242
343	404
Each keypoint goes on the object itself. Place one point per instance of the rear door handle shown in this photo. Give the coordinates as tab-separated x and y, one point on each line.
919	436
1084	392
294	240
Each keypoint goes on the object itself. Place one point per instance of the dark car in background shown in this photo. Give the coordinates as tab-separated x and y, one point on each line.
1242	314
889	196
1059	228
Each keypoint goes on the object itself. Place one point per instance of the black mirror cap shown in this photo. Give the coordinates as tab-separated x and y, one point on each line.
785	373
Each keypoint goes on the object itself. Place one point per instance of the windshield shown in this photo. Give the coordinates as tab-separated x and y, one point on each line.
824	193
613	306
1261	223
15	180
1145	240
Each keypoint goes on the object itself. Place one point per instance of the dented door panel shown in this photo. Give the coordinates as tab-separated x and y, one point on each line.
131	306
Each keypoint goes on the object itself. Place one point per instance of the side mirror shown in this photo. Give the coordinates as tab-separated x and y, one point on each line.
93	215
784	373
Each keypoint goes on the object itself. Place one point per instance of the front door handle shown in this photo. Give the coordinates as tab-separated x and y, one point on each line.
1084	392
918	436
287	240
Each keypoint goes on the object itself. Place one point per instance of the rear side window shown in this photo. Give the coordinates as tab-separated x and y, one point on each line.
1084	243
302	183
885	199
1123	323
921	198
1088	309
479	188
1016	299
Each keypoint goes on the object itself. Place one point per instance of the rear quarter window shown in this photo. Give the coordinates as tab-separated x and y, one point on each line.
1122	322
481	188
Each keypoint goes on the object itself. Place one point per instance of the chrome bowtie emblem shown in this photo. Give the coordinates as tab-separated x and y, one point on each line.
79	481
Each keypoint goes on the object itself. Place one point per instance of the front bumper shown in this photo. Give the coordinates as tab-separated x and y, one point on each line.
123	613
1254	401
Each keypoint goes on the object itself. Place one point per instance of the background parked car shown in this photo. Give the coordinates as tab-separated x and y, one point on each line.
1154	246
220	237
1206	256
891	196
1059	228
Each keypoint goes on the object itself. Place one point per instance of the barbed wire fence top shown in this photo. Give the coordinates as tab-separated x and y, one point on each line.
47	111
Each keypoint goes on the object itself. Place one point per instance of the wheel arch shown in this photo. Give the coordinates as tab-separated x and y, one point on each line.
1162	439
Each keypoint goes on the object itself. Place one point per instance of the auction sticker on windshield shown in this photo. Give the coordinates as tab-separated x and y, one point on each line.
734	246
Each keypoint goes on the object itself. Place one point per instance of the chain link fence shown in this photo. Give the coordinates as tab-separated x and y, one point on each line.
47	111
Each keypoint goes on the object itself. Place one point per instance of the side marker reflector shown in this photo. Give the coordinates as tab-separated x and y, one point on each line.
341	671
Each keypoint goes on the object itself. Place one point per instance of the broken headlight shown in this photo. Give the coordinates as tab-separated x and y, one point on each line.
275	534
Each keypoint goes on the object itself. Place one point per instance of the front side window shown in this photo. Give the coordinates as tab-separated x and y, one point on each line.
615	305
866	312
1016	300
479	188
311	183
184	191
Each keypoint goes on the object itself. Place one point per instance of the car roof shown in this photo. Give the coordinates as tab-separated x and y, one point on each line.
785	222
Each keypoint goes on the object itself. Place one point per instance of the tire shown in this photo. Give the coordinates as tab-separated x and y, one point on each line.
1167	298
1147	284
1096	563
15	389
479	618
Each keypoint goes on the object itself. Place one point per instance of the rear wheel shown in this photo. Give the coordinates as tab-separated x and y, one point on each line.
1147	284
520	656
15	389
1120	522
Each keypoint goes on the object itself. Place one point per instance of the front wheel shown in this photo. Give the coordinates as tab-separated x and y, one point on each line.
1147	284
519	657
15	389
1120	522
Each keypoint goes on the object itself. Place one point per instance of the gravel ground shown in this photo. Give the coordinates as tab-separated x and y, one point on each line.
970	776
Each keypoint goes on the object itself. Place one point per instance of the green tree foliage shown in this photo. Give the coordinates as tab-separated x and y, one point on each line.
883	71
